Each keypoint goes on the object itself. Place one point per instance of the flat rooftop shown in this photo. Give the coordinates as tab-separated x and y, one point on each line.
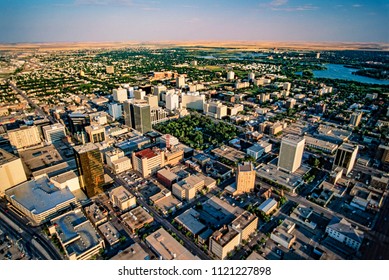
110	233
320	143
255	256
133	252
267	205
245	167
292	138
95	213
85	148
39	196
243	220
137	218
64	177
190	220
344	227
168	202
146	153
167	247
121	193
229	153
216	212
41	158
347	147
224	235
75	230
167	174
290	180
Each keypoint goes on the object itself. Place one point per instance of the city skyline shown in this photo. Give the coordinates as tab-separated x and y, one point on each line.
248	20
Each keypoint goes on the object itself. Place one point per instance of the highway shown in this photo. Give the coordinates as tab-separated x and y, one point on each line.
157	217
33	246
31	236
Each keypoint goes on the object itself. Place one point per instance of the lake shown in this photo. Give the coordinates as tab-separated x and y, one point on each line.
338	71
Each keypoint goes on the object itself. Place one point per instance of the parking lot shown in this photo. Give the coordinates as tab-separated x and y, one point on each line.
10	249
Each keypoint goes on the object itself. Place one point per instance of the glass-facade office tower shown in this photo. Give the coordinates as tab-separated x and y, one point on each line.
137	115
90	169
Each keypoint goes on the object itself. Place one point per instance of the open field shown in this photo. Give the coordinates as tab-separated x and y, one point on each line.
238	45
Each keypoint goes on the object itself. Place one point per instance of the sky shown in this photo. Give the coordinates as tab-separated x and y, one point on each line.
190	20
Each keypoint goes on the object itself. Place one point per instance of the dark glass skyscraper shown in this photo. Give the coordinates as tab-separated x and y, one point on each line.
90	168
137	115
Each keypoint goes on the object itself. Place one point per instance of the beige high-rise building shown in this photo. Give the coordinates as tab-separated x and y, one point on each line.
215	109
230	75
346	156
180	81
152	100
122	198
120	94
193	100
11	171
148	161
291	153
224	241
245	178
117	161
24	137
96	133
355	118
139	94
264	97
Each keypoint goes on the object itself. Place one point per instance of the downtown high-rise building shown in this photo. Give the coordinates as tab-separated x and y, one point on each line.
119	95
90	168
355	118
115	110
137	115
245	178
54	133
291	153
345	157
180	81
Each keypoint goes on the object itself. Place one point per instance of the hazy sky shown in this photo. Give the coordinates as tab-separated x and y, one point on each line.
136	20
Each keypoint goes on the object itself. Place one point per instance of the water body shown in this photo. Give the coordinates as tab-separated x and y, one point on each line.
338	71
206	56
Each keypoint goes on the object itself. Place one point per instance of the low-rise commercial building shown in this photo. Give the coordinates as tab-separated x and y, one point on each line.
283	234
134	252
165	202
187	188
189	220
166	177
321	145
342	230
268	206
110	233
122	198
77	236
166	247
246	224
96	214
137	218
215	109
39	199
